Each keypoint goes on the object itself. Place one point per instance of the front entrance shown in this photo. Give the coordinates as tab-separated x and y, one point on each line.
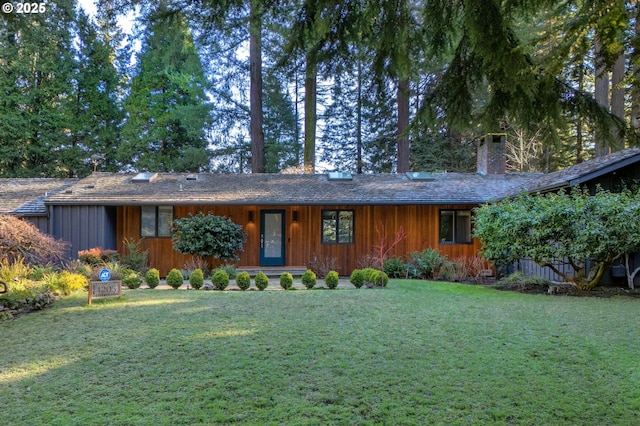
272	236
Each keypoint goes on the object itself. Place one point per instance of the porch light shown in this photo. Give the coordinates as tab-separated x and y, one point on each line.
295	215
250	216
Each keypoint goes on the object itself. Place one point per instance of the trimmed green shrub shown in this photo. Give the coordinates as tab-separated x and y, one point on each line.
243	280
375	278
357	278
196	279
152	278
395	267
309	279
262	281
332	279
220	279
174	278
286	280
228	268
132	279
207	235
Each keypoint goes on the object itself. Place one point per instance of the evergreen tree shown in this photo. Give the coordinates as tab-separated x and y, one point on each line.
98	116
36	58
167	110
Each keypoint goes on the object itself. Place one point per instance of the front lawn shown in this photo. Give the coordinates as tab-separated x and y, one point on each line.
414	353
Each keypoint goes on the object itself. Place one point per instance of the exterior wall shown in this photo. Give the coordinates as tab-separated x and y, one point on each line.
40	222
83	227
303	238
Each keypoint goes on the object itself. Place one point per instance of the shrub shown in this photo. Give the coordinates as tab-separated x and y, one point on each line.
135	258
357	278
395	267
205	235
332	279
243	280
375	278
25	296
132	279
228	268
174	278
520	280
196	279
65	282
152	278
428	263
220	279
117	271
262	281
322	265
286	280
21	239
10	271
309	279
197	262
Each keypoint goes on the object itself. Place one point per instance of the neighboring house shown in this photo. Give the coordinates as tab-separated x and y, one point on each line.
290	219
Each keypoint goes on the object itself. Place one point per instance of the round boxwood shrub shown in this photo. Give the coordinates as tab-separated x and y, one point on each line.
196	279
332	279
132	279
286	280
174	278
243	280
220	279
152	278
309	279
357	278
262	281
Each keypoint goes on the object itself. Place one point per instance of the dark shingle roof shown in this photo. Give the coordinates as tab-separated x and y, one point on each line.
288	189
583	172
26	196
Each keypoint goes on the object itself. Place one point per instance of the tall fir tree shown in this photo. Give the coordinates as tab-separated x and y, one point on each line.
36	106
98	115
167	113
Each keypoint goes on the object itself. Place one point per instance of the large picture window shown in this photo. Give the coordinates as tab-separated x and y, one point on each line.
455	226
337	226
155	221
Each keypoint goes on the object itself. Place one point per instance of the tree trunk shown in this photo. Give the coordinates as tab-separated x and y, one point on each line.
635	88
403	125
255	95
617	101
579	138
601	95
310	113
359	121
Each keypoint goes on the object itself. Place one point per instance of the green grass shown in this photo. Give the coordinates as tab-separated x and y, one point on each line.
414	353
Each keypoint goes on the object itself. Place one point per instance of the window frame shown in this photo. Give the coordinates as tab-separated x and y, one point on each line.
454	213
337	227
157	214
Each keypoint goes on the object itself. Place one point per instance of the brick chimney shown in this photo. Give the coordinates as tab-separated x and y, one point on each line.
491	154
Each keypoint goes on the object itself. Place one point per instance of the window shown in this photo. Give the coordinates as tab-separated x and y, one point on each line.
455	226
337	226
155	221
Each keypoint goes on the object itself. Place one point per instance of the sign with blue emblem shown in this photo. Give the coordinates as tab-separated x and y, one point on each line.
105	275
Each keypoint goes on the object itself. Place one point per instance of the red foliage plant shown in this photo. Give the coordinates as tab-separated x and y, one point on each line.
21	239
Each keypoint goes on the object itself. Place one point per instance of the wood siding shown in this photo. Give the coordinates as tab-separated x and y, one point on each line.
303	238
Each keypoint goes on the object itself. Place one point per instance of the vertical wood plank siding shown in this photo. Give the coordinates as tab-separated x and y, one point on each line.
84	227
303	238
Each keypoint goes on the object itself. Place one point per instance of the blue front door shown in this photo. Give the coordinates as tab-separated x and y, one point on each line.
272	238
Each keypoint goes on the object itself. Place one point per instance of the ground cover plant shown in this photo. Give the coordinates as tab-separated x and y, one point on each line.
416	352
